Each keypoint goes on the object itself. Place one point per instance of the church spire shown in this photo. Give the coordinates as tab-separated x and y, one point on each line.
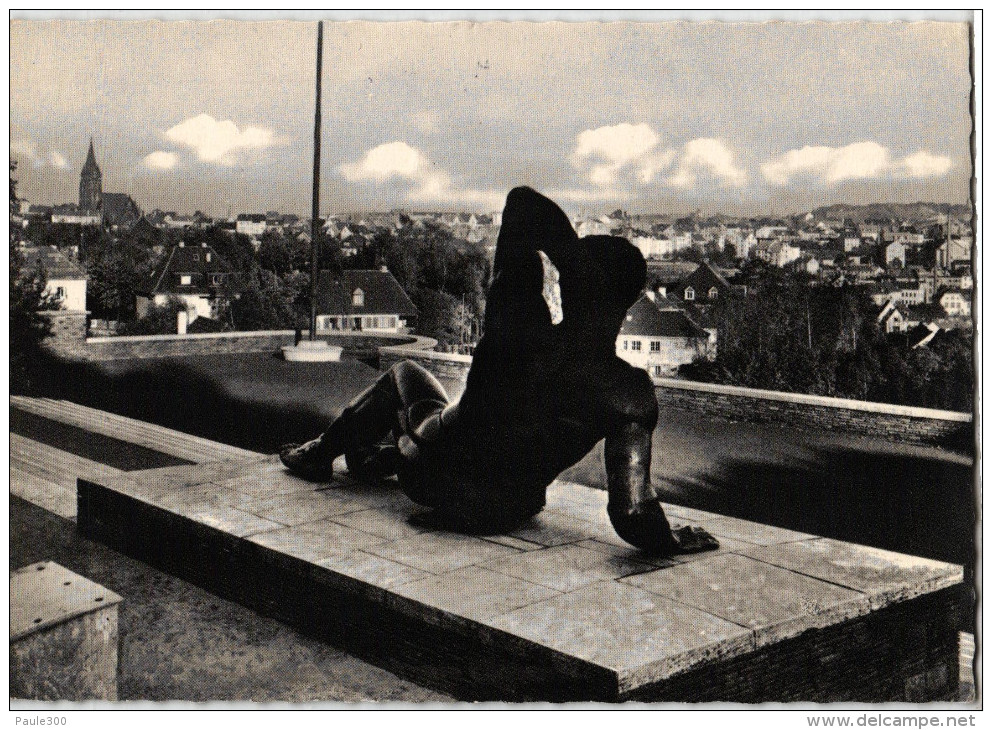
90	166
91	183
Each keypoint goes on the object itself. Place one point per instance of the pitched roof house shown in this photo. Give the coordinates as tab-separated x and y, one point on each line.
362	300
196	275
65	279
660	338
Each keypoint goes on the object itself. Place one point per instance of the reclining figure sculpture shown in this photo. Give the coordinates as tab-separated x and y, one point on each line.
544	387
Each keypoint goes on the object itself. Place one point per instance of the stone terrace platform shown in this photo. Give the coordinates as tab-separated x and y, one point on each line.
558	610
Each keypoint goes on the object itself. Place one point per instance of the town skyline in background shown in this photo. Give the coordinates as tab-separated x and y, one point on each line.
742	119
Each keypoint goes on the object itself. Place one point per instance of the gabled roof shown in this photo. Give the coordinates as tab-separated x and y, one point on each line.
55	263
186	260
644	319
253	217
706	277
382	293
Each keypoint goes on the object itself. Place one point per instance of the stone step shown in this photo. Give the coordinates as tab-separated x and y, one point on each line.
54	465
557	610
165	440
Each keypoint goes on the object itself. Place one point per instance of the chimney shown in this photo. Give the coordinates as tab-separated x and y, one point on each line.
384	269
182	244
203	245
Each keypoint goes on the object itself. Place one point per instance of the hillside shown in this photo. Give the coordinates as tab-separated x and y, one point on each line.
894	211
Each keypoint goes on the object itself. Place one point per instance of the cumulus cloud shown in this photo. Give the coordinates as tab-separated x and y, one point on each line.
428	182
858	161
923	164
26	150
603	153
57	159
160	160
710	157
220	141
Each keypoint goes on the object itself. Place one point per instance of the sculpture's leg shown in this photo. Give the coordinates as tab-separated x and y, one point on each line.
633	507
366	421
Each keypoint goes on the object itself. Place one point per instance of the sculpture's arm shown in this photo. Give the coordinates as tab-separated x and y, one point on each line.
634	507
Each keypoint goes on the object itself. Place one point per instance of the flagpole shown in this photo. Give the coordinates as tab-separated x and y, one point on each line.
315	209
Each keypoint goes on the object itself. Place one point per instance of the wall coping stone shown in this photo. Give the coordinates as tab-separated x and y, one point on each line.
816	400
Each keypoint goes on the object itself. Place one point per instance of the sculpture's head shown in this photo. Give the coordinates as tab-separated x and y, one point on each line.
532	222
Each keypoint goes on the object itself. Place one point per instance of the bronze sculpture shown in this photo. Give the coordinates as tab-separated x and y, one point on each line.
544	387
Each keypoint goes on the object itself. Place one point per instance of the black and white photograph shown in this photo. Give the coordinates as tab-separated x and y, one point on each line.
495	360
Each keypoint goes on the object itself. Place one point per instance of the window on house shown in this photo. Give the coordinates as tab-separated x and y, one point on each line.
217	278
60	292
635	346
196	257
655	345
626	344
185	279
657	371
713	292
358	298
690	293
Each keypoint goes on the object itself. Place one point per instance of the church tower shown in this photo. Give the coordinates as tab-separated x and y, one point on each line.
91	184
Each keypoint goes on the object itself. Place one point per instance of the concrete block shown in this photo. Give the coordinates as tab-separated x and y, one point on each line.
63	635
799	618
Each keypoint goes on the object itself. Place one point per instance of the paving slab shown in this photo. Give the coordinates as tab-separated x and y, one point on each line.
884	576
442	552
639	635
560	608
567	567
473	593
776	603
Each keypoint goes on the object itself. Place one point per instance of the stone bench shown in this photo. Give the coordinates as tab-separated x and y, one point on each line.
560	609
63	635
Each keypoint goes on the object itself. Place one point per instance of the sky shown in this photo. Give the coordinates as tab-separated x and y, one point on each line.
665	117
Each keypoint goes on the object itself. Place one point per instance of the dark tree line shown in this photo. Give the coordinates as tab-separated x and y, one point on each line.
786	335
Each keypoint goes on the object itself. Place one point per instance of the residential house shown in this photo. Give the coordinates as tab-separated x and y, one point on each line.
195	275
365	300
895	254
65	279
659	340
956	302
895	318
954	249
705	285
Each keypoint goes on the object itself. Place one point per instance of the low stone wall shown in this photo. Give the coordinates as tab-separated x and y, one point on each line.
441	364
67	332
357	345
893	422
883	420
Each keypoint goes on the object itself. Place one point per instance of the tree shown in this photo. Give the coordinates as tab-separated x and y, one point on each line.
27	298
266	302
160	319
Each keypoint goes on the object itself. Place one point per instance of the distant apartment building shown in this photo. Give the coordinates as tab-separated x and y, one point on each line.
65	279
362	300
659	340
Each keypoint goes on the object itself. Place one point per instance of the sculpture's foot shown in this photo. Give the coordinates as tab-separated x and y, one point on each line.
694	540
308	461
